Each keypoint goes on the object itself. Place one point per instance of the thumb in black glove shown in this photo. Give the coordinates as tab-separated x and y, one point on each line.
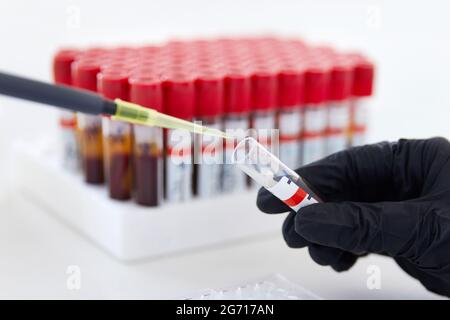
387	198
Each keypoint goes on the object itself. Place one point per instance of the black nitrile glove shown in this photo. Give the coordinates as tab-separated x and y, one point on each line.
387	198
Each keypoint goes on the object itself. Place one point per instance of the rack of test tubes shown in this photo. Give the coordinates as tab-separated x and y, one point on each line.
313	97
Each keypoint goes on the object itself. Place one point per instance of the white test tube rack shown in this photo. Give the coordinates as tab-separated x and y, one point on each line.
124	229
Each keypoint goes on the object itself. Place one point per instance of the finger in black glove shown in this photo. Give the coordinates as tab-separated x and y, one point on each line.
388	198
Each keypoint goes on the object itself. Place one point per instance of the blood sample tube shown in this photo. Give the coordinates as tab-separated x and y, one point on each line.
117	137
89	127
340	86
363	74
264	103
62	75
237	102
179	101
208	150
315	113
289	120
146	90
267	170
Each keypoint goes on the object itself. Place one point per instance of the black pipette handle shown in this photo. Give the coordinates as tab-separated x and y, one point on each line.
55	95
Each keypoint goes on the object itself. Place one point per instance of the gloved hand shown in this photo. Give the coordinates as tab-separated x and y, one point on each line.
387	198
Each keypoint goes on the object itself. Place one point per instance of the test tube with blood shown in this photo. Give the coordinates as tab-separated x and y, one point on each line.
146	90
118	137
89	127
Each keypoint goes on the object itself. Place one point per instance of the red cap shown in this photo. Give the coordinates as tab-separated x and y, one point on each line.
340	85
62	66
316	84
113	85
237	93
363	74
208	96
290	88
84	74
146	91
264	90
179	96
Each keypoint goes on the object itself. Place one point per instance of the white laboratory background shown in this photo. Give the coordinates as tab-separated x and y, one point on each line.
407	40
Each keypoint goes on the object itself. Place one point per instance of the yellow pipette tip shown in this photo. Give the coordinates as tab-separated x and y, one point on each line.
134	113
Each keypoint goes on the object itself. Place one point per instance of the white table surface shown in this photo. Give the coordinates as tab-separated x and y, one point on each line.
36	250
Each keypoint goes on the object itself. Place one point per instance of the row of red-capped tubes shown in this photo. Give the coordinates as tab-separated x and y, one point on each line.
175	64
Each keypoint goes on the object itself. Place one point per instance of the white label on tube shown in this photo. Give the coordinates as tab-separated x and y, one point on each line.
142	134
89	121
290	125
263	124
358	139
338	125
315	119
359	122
339	116
69	144
313	148
314	136
233	179
360	113
209	164
70	149
119	128
178	166
336	142
264	121
291	194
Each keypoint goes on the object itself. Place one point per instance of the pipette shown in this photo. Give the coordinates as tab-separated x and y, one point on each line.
87	102
134	113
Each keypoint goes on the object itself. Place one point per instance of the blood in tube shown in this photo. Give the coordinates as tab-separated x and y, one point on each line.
89	127
118	137
146	90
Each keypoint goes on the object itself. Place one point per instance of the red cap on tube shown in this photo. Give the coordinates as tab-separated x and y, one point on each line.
316	84
264	90
340	85
363	75
62	66
113	85
146	91
84	74
208	96
290	88
237	97
179	96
